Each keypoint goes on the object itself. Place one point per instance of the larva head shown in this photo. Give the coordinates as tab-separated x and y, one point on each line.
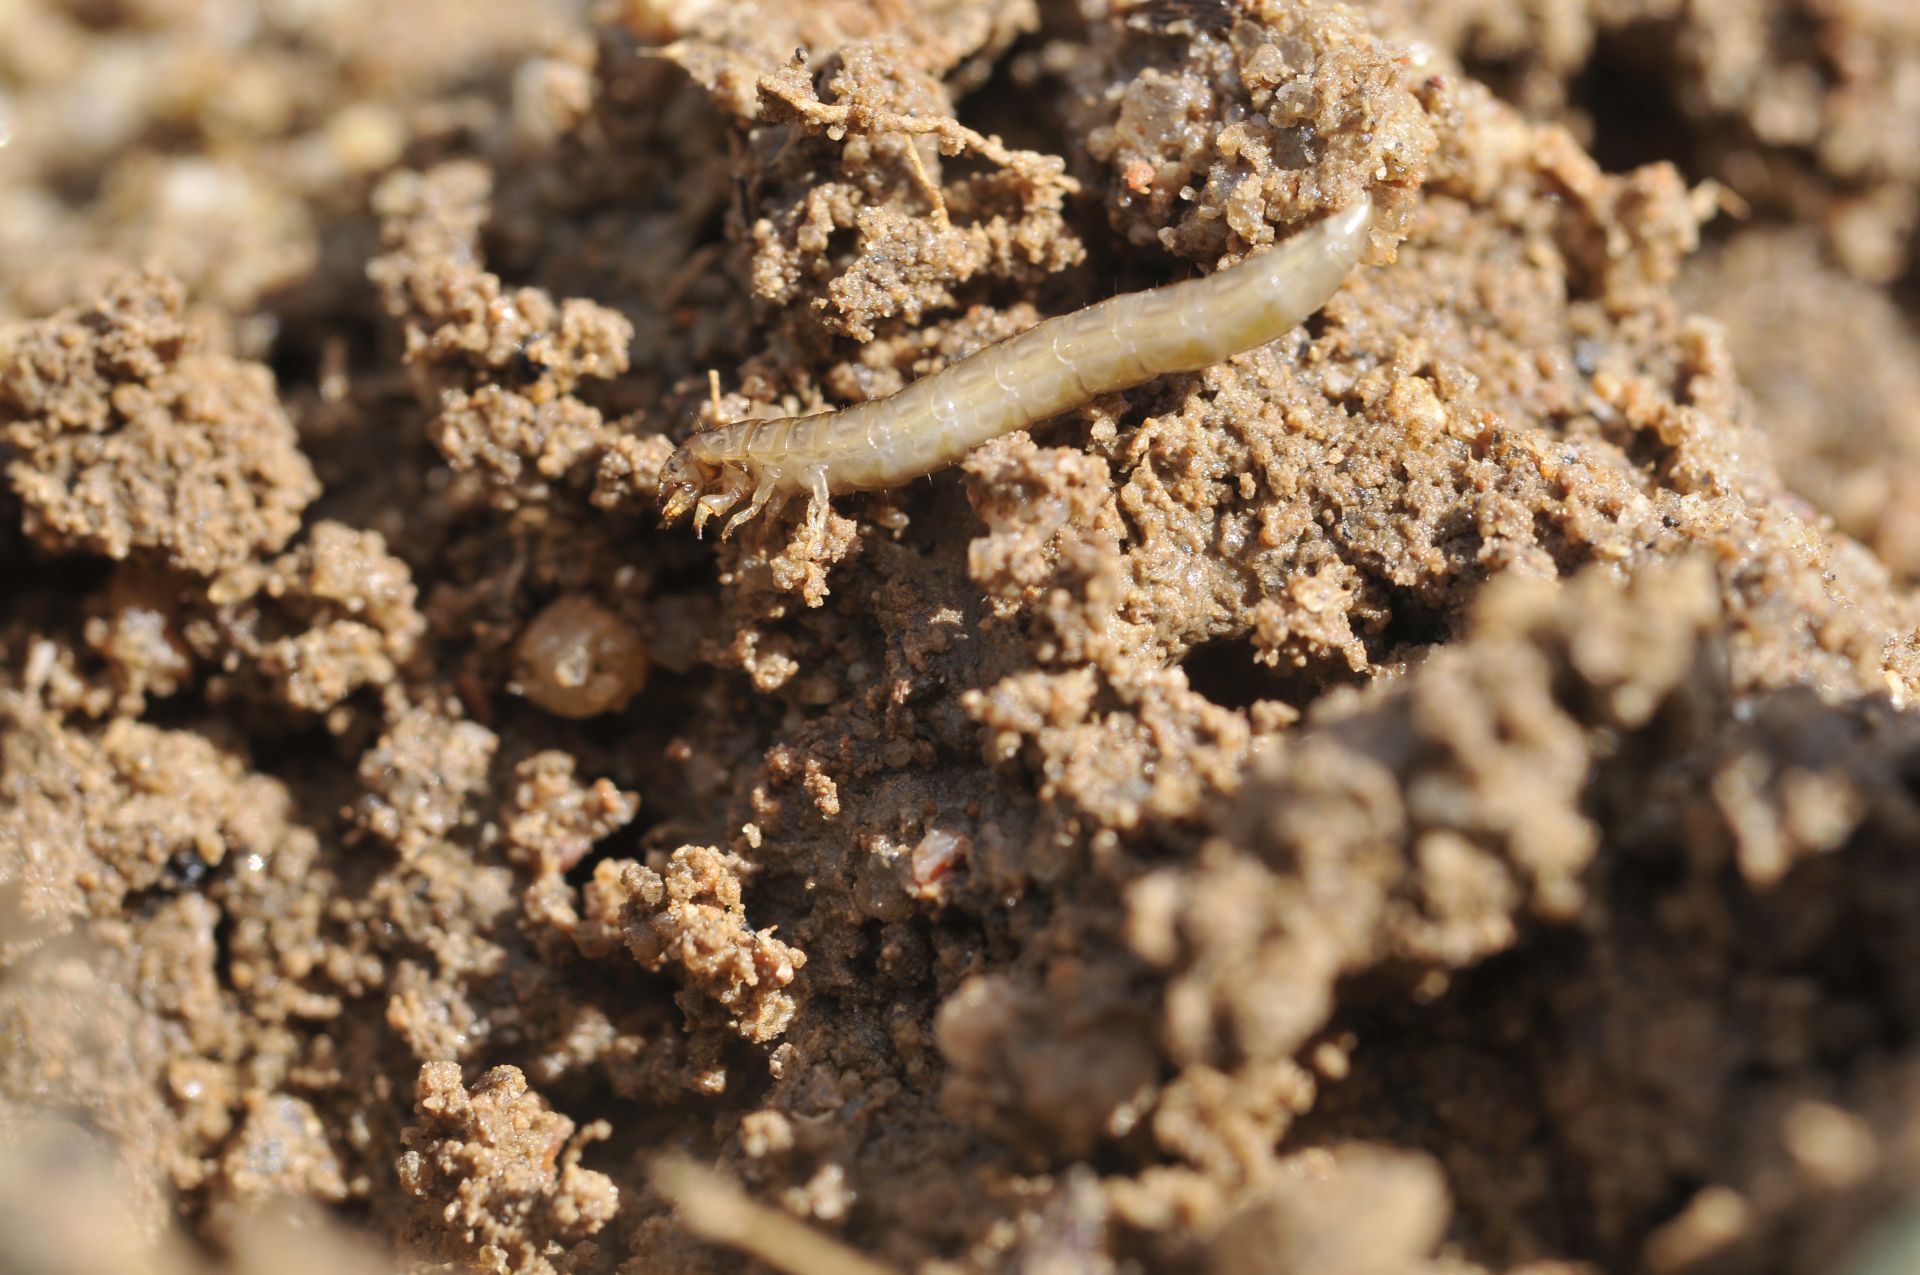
682	479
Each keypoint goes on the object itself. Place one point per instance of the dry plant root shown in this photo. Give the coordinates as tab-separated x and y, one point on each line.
1051	367
719	1212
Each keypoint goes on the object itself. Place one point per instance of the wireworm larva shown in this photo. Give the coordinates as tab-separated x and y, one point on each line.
1052	366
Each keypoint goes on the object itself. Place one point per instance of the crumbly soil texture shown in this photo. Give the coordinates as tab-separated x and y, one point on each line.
1437	793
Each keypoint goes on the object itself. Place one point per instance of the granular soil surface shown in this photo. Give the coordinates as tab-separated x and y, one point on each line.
1436	793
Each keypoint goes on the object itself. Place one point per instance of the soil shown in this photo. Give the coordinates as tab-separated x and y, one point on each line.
1435	793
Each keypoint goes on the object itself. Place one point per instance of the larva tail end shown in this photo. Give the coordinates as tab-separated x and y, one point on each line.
1349	225
1317	260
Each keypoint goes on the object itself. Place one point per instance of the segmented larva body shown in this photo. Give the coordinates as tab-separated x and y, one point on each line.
1049	368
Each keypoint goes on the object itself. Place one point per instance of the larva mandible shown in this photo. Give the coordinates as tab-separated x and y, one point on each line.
1054	365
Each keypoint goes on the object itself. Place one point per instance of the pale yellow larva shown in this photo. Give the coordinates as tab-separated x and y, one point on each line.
1052	366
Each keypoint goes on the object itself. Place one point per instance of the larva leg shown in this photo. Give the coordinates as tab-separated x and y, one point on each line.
761	495
733	486
711	505
817	505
